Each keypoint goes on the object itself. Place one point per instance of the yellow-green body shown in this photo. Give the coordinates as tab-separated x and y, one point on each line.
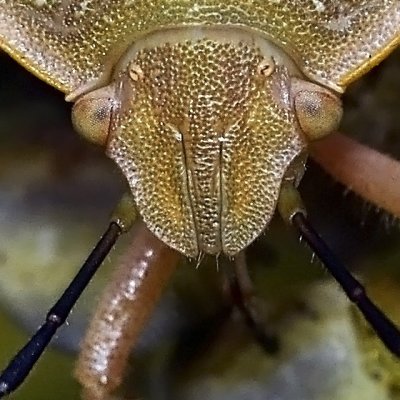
70	43
207	106
203	135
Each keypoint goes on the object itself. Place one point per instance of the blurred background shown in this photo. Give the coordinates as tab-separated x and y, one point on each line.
56	194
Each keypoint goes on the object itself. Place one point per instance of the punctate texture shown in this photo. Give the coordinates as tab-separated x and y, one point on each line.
68	43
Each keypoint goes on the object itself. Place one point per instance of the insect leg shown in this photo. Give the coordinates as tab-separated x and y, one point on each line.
242	294
370	174
125	307
292	210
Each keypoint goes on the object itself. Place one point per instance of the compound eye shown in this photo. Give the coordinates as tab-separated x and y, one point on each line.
318	112
91	114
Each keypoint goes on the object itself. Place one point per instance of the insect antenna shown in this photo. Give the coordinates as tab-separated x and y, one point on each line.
384	328
20	366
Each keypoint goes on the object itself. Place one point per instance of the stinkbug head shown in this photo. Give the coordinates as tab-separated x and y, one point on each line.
204	124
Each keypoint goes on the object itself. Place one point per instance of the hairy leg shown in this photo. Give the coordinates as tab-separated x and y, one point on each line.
125	307
372	175
243	296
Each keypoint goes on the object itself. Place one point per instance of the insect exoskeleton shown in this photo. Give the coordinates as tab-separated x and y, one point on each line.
206	123
207	108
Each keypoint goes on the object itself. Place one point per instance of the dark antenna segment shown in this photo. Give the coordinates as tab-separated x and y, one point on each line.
384	328
20	366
